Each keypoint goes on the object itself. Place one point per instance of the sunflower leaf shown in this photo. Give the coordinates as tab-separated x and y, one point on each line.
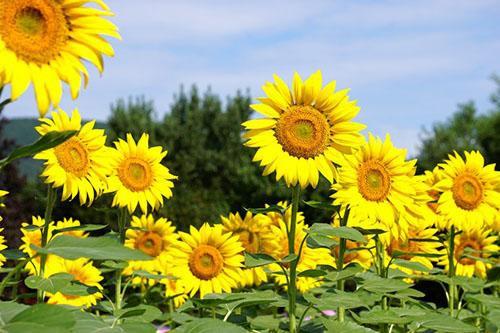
258	259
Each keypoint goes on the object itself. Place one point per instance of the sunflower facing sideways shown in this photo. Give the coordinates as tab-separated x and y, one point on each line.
304	129
377	185
43	42
138	177
79	165
254	232
208	260
469	191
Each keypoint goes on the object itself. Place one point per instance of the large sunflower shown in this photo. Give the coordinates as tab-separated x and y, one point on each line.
254	232
138	177
44	42
310	258
84	272
377	184
208	260
473	248
469	191
304	129
152	237
79	165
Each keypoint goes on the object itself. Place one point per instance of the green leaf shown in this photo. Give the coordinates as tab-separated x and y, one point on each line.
488	300
315	241
384	286
413	265
322	205
312	273
381	317
208	325
14	254
494	274
364	231
397	253
148	313
273	208
8	310
334	326
52	284
44	318
338	298
49	140
99	248
115	264
148	275
471	284
267	322
344	274
258	259
85	227
127	313
325	229
444	323
289	258
251	299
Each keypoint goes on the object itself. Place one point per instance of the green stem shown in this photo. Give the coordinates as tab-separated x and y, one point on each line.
292	285
451	272
340	264
51	200
13	272
379	248
122	221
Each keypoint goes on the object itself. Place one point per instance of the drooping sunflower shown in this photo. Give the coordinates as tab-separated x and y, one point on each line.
84	272
80	165
469	191
208	260
310	258
152	237
254	232
174	287
473	249
138	177
43	42
377	184
304	129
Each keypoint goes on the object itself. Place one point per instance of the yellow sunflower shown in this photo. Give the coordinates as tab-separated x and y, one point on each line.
2	247
431	178
304	129
276	217
152	237
174	287
470	244
2	205
84	272
309	259
138	177
69	223
377	184
208	260
79	165
469	191
254	232
44	42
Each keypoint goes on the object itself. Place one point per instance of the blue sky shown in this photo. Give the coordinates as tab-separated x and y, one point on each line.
408	63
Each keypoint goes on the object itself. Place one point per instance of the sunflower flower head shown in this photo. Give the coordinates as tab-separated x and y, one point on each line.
2	205
44	43
304	129
138	177
79	165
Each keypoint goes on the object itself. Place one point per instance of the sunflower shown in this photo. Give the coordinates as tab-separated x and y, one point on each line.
152	237
276	217
174	287
377	184
208	260
431	178
2	247
32	235
421	240
310	258
2	205
304	129
70	223
469	191
138	177
254	232
44	42
473	248
84	272
79	165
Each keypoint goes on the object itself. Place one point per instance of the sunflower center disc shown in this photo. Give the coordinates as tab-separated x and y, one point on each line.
73	157
150	243
473	249
302	131
206	262
467	191
374	182
135	174
34	29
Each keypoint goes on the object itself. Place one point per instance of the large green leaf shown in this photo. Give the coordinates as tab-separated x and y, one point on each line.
208	325
378	316
383	286
8	310
442	323
344	274
334	326
100	248
258	259
41	318
47	141
52	284
325	229
413	265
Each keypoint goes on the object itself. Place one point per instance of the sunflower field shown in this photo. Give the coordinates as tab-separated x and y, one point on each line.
270	269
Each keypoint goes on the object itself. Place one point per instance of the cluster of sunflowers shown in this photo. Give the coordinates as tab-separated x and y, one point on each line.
448	217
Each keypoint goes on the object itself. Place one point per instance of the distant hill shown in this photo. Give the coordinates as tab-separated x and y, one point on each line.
22	131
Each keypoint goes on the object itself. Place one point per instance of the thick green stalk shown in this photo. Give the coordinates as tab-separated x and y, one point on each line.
452	294
122	221
292	285
51	200
340	264
379	248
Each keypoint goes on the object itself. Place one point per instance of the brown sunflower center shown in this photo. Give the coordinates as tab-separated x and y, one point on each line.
35	30
303	131
468	247
467	191
150	243
374	182
73	157
206	262
249	240
135	174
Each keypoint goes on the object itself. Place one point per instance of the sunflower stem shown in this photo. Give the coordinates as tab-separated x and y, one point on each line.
382	273
51	200
292	285
340	263
451	271
122	221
